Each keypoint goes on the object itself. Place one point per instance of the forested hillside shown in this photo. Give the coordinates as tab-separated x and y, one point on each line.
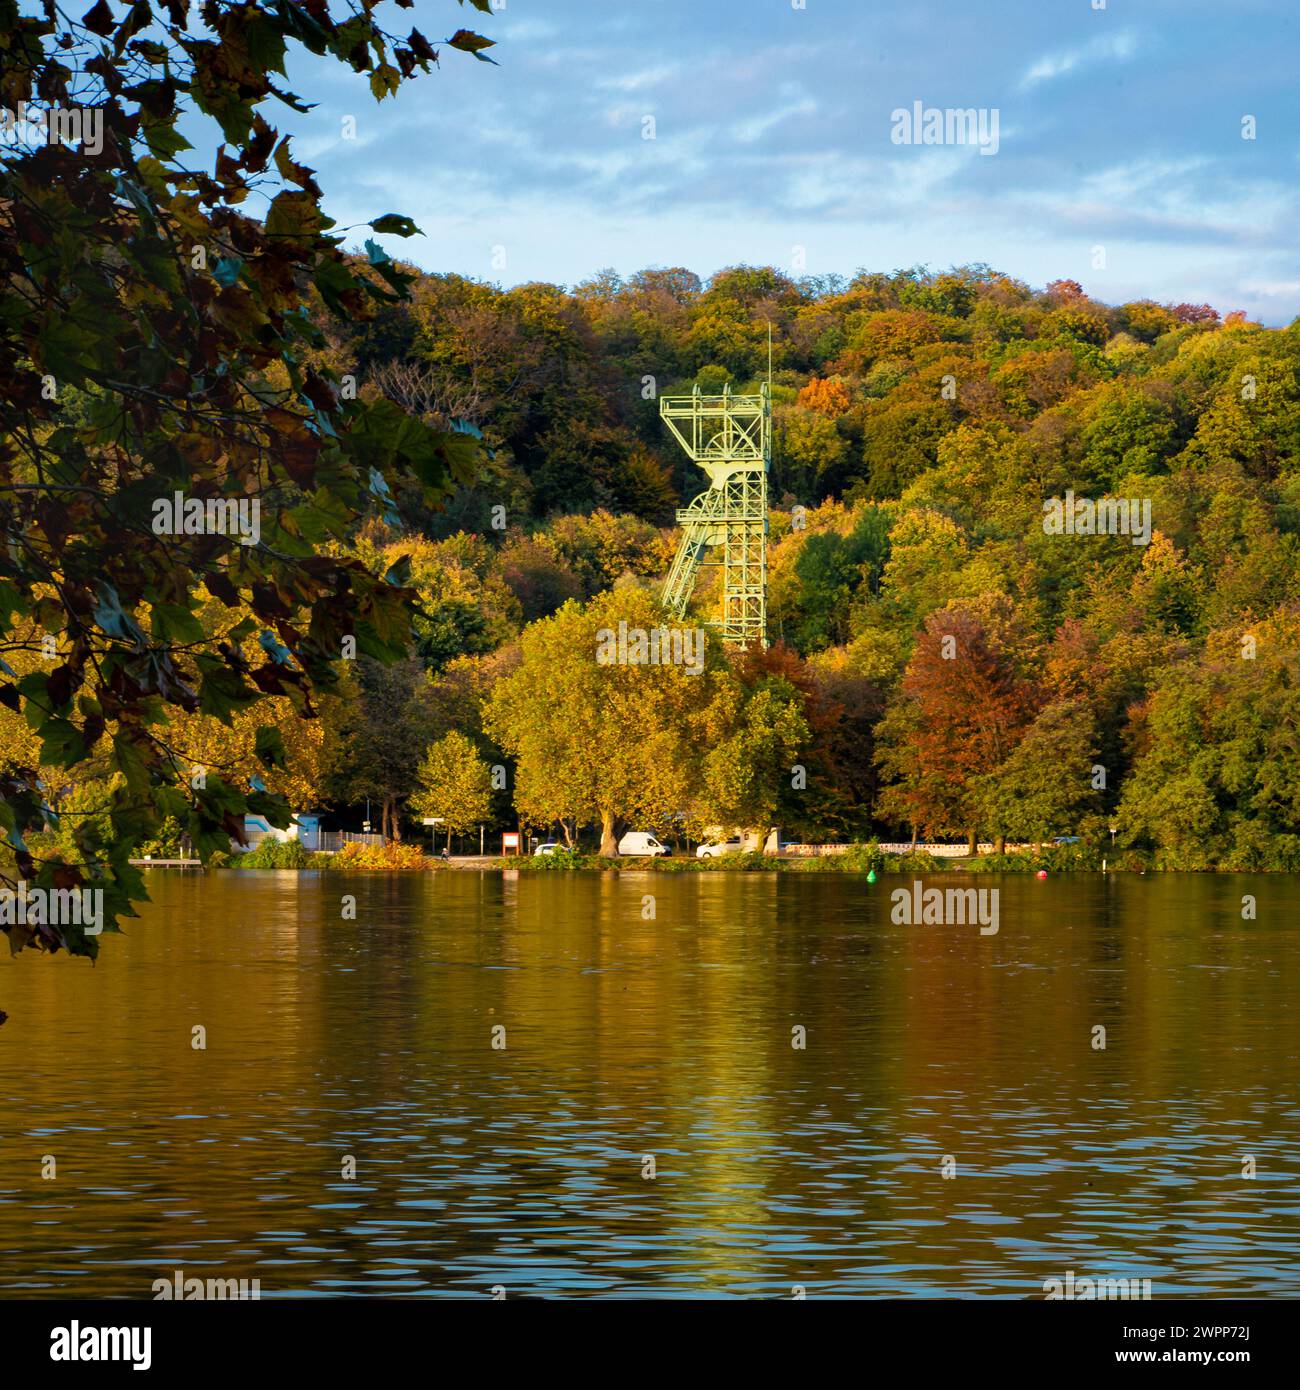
942	664
920	422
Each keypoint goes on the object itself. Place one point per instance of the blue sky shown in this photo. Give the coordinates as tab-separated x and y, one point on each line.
1119	128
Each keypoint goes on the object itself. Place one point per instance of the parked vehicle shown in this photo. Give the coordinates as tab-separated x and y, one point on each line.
1066	840
712	851
642	843
548	847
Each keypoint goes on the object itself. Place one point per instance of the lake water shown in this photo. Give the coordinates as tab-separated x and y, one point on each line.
627	1038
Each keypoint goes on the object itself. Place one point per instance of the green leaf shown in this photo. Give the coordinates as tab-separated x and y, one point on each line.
130	762
222	693
265	44
61	743
268	744
164	139
171	623
34	690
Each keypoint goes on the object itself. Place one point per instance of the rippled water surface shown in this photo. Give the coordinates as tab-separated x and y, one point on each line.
627	1038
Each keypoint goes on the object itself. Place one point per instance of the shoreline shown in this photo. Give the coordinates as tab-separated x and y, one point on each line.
891	865
868	860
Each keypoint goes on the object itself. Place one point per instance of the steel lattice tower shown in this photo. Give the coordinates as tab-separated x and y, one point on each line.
730	437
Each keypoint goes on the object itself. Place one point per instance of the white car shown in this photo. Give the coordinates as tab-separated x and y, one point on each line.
548	847
712	851
641	842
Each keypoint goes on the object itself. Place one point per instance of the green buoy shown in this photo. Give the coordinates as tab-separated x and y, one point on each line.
871	877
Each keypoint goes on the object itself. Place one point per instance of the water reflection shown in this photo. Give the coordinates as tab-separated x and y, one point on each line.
628	1035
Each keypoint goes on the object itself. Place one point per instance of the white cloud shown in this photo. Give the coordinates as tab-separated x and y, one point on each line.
1117	47
755	127
528	31
1274	289
639	81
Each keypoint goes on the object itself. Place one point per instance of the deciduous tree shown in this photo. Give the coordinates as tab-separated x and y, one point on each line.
960	711
455	784
153	341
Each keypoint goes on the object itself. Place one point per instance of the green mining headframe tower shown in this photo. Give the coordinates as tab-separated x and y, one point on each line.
730	437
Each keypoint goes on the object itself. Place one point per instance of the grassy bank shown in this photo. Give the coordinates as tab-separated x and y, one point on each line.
860	858
857	859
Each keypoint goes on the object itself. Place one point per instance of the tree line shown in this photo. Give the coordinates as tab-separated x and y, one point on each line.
944	664
950	665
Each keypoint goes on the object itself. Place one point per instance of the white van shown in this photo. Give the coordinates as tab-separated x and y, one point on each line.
643	843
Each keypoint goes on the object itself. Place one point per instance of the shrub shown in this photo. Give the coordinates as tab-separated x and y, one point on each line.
748	863
1056	859
355	855
82	812
166	844
864	858
274	854
565	859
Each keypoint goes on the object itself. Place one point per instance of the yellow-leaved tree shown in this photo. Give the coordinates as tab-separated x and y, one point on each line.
455	784
602	732
613	741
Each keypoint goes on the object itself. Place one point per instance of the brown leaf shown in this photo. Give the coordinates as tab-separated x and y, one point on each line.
99	20
421	46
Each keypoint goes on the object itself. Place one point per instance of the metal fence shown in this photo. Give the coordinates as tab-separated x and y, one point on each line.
332	840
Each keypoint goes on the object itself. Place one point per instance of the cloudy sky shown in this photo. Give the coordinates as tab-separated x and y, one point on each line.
1120	158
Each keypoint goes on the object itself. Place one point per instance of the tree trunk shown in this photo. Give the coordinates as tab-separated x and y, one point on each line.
391	820
999	844
608	835
971	845
916	835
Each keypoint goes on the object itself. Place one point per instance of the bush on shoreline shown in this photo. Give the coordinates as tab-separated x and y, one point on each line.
273	854
393	855
858	858
290	854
